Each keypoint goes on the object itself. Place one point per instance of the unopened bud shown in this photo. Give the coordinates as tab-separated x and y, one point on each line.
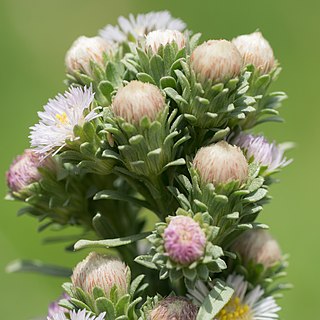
216	60
174	308
259	247
24	169
137	100
256	50
158	38
84	50
184	240
97	270
221	163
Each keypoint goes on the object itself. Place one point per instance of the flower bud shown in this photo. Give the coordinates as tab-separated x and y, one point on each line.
174	308
137	100
216	60
158	38
24	169
84	50
257	246
97	270
184	240
256	50
221	163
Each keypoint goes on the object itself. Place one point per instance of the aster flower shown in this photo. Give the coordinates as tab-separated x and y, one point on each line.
244	304
54	307
24	170
137	27
76	315
59	118
184	240
258	149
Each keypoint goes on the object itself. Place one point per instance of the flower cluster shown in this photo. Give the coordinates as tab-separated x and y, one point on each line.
154	122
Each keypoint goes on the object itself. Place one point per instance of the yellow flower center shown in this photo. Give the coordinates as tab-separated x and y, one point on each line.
62	118
234	310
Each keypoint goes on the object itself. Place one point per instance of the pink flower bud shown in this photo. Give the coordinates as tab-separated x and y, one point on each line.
174	308
137	100
256	50
259	247
24	169
84	50
158	38
184	240
216	60
97	270
221	163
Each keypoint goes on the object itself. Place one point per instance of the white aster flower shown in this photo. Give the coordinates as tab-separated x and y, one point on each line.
244	304
59	118
139	26
80	315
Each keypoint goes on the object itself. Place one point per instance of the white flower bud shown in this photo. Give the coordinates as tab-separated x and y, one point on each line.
137	100
221	163
216	60
97	270
256	50
158	38
259	247
84	50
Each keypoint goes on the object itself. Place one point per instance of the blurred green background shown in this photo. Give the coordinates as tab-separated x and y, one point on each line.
35	35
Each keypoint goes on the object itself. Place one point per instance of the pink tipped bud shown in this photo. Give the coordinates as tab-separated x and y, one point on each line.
174	308
221	163
84	50
24	169
216	60
256	50
137	100
97	270
184	240
158	38
259	247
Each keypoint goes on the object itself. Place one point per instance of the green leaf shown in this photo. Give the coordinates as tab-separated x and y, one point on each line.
144	77
145	260
106	89
38	267
218	297
105	305
109	243
115	195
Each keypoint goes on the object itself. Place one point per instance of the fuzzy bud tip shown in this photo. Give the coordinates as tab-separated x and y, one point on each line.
259	247
158	38
177	308
84	50
216	60
256	50
97	270
24	169
221	163
137	100
184	240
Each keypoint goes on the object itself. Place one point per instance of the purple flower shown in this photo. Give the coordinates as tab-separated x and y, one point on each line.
184	240
54	307
24	170
263	152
